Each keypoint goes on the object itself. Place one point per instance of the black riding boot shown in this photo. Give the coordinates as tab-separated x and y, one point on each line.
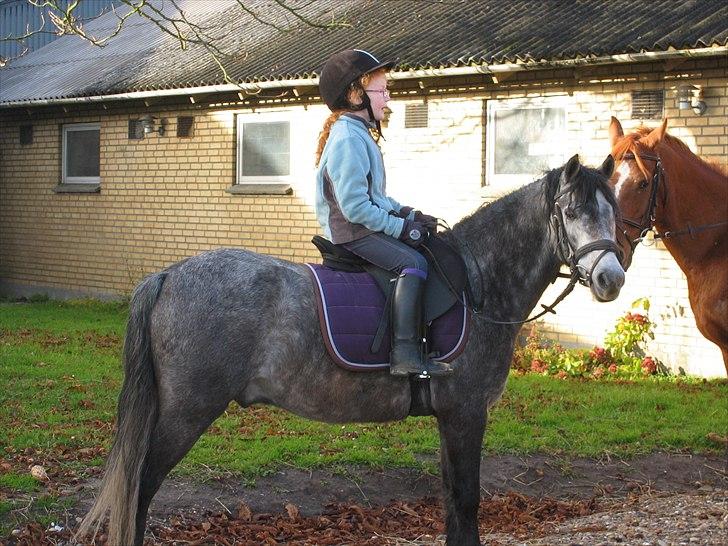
407	355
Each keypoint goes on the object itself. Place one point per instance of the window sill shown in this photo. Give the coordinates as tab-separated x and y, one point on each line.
260	189
77	188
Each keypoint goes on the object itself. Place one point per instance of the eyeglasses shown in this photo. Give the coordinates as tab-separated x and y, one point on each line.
384	92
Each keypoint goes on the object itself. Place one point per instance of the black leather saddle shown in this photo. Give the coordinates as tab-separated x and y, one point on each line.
445	283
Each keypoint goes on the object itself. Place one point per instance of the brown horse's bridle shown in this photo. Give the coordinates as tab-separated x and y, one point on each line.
647	221
646	224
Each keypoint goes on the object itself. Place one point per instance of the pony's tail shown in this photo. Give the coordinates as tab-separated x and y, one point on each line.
136	418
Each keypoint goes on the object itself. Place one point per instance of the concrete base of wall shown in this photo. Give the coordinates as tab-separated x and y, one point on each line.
14	290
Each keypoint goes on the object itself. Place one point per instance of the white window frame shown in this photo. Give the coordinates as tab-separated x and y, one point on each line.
512	181
264	117
65	179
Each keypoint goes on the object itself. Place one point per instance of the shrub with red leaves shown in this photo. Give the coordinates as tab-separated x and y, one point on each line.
538	366
649	366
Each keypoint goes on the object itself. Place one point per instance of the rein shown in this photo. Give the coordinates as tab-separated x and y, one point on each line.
647	223
690	230
565	250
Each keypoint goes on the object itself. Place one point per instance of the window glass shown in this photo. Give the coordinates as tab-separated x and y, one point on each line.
525	139
82	153
266	149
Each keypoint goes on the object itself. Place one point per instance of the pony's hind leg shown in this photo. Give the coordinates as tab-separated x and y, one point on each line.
177	429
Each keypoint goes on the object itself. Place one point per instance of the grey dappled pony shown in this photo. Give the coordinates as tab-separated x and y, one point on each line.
235	325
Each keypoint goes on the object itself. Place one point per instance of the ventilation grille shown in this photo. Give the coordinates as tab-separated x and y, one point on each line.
26	135
415	116
648	104
185	125
136	130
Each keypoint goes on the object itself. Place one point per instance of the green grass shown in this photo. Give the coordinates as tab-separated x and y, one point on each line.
59	363
44	510
18	482
5	507
63	317
590	418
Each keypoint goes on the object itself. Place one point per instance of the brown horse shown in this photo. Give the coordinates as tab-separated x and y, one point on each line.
662	186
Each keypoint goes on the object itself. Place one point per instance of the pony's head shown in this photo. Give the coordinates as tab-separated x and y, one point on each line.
585	215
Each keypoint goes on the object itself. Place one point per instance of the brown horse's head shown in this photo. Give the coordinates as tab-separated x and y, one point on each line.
635	179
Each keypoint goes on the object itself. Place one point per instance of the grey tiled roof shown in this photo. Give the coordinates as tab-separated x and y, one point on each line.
418	34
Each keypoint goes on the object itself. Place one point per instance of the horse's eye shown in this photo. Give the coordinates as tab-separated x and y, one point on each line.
643	184
570	213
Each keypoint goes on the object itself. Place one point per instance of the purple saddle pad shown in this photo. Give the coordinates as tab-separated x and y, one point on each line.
350	307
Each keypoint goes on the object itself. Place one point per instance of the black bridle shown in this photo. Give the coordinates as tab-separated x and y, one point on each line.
647	221
571	256
646	224
567	254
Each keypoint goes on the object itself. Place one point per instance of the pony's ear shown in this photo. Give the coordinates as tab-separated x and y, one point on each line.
572	167
655	136
607	167
615	131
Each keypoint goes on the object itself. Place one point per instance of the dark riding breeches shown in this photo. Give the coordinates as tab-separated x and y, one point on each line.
387	252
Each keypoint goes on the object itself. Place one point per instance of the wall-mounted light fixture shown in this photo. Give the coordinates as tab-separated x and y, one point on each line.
691	96
148	123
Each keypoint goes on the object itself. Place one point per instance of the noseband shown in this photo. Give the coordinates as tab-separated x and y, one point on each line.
566	253
571	256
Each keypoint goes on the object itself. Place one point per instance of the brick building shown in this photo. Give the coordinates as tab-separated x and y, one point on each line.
90	201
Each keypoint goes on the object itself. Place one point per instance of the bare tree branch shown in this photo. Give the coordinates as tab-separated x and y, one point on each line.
67	23
175	23
296	12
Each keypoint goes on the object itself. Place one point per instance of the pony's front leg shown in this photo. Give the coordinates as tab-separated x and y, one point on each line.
461	439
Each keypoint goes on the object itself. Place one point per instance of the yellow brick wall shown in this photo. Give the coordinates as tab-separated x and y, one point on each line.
163	198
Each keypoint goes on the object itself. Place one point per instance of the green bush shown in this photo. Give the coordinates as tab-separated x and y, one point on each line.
622	356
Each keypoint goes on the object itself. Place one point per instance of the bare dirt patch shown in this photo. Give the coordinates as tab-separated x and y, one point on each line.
526	500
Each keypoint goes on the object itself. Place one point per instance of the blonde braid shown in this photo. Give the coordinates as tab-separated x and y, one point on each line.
324	134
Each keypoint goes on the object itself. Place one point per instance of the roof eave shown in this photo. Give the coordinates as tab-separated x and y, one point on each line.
415	73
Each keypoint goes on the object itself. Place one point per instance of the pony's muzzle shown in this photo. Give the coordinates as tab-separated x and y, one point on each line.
607	279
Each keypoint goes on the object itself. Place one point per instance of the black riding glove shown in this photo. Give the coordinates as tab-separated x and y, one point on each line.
413	233
403	212
430	222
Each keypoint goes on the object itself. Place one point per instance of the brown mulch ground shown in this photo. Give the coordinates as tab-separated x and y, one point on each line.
343	524
537	500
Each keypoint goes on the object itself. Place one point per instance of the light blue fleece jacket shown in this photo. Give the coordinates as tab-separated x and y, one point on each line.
351	199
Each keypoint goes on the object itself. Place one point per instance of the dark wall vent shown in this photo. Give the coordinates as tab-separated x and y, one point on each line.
415	116
136	130
185	125
648	104
26	135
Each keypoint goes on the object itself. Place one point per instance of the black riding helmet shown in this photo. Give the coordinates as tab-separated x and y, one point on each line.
343	69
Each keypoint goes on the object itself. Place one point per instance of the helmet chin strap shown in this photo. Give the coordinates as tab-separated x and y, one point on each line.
367	104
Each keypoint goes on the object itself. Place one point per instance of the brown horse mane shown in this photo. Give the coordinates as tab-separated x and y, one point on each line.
628	144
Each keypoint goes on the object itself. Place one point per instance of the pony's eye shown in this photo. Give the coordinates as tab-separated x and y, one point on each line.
570	213
643	184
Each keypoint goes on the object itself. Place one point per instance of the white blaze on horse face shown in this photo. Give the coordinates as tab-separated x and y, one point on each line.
625	173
